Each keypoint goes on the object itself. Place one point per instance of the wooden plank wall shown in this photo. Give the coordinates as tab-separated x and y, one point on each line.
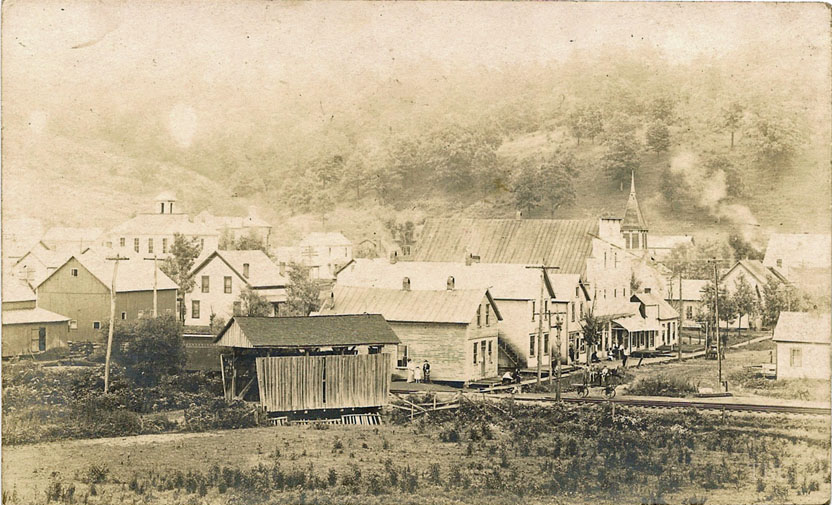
323	382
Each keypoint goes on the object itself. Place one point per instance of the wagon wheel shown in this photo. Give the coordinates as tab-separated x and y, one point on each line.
609	391
583	391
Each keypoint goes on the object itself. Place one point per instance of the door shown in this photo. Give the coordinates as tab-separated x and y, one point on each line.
482	357
41	338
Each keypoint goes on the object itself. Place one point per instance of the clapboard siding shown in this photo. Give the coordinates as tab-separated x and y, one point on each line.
323	382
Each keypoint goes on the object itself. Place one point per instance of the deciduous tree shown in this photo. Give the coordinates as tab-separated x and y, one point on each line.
302	294
178	266
149	348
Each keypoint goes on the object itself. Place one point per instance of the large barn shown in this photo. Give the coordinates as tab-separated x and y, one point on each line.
309	367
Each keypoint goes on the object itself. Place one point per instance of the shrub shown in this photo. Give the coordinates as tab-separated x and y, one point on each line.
777	492
662	386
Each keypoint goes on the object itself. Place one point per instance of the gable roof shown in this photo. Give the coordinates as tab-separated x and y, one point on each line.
633	217
262	270
803	327
799	249
666	311
162	224
316	331
566	243
325	239
15	290
133	274
756	269
457	306
36	315
504	281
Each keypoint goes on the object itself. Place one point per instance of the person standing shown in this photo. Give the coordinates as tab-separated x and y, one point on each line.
426	371
624	355
411	376
417	373
571	353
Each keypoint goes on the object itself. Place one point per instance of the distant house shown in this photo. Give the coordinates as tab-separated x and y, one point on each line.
692	299
802	258
322	367
515	289
455	330
654	307
26	327
80	289
71	240
660	246
36	264
323	253
220	279
234	227
152	234
803	341
757	276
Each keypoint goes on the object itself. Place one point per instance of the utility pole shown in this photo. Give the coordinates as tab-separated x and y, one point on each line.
112	323
716	326
558	326
155	298
541	315
679	324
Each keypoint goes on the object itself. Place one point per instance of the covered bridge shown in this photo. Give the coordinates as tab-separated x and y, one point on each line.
308	367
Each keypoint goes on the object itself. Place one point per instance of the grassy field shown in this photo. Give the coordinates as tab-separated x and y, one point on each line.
735	369
485	453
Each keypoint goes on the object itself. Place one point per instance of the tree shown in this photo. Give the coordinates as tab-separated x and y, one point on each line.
731	119
744	300
777	297
635	283
250	242
662	110
727	311
252	304
217	324
526	187
620	158
178	266
593	330
658	137
557	173
302	294
774	138
585	122
149	348
674	188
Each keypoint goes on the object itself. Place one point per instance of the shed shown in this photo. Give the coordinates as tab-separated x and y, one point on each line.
803	341
320	366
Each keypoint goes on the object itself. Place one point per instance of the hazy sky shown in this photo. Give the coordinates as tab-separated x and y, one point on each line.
253	43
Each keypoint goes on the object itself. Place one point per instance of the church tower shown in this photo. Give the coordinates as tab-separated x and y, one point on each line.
634	226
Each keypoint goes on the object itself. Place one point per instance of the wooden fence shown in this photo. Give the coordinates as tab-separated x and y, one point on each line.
323	382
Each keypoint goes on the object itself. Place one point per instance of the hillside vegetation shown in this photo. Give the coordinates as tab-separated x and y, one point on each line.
716	143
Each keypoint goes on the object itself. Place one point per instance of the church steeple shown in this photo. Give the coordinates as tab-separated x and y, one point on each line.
634	226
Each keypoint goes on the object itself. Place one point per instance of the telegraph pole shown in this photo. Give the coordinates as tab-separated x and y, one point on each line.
540	314
155	298
716	317
679	324
112	323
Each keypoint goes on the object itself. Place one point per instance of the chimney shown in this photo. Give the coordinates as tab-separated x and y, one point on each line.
451	283
468	260
394	257
406	284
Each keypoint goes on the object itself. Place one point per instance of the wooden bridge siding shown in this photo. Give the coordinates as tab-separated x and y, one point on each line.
297	383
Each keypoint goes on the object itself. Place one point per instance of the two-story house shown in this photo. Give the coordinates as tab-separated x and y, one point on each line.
80	289
235	228
152	234
221	278
455	330
323	253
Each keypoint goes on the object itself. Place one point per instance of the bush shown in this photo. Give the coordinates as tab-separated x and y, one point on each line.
662	386
219	415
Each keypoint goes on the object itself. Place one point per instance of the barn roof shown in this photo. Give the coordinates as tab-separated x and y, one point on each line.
315	331
504	281
133	274
16	290
804	327
566	243
36	315
457	306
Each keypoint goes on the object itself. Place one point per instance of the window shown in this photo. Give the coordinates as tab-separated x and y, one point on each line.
164	246
479	316
245	270
406	284
450	283
226	284
689	312
605	294
546	309
136	244
96	325
780	263
652	339
122	241
796	358
150	245
615	258
573	312
202	243
41	338
624	292
533	309
401	356
73	272
476	347
532	345
615	293
124	315
206	284
195	309
73	324
545	344
238	309
490	354
582	309
487	314
577	291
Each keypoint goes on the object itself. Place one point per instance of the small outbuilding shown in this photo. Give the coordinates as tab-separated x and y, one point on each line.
28	328
803	345
308	367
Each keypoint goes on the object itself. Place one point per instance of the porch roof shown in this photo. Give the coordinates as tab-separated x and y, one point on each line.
637	323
